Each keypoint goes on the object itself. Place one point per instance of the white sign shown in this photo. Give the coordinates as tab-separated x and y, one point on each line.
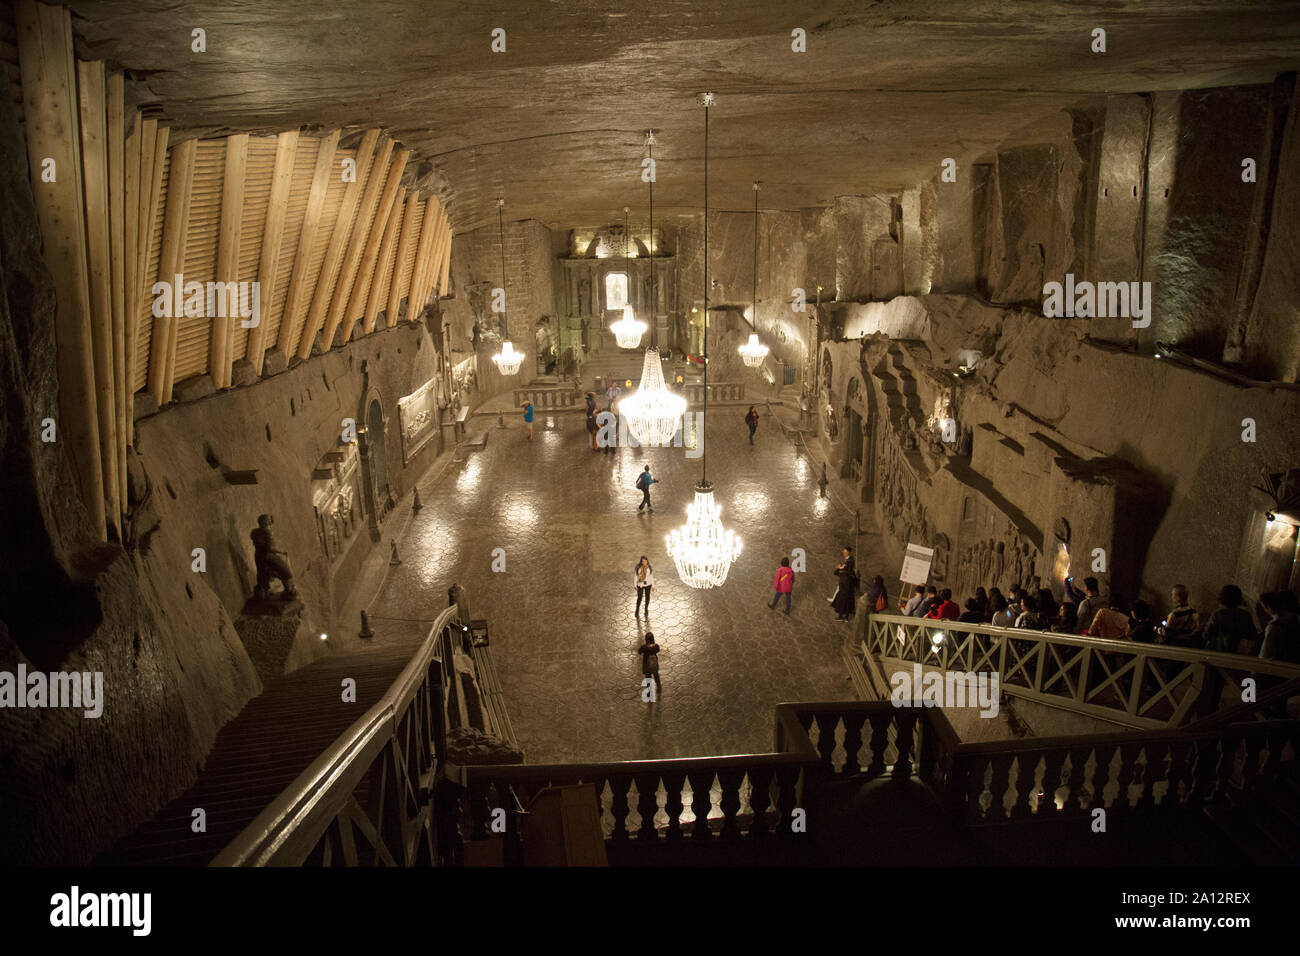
916	564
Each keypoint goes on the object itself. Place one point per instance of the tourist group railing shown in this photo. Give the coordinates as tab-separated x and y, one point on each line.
1150	686
372	784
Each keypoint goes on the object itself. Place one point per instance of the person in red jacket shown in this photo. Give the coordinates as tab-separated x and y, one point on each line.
946	609
783	583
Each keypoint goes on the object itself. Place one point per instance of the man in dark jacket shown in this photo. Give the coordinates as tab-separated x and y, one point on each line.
845	600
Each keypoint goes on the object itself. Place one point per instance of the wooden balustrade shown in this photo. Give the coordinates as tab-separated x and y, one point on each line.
1148	686
372	786
1064	777
718	392
703	799
546	398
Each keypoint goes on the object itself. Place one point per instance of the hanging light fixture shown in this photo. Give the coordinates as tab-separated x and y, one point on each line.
703	549
628	330
507	360
653	412
753	352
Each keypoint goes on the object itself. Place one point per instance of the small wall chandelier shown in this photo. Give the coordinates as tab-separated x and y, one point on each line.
754	352
653	413
628	330
702	549
507	360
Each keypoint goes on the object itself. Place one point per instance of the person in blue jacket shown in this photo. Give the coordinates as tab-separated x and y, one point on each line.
643	483
528	417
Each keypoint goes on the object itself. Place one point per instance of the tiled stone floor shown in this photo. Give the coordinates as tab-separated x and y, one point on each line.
563	633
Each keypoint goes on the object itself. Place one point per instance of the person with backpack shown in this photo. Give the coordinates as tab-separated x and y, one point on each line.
946	609
878	596
751	419
845	600
528	418
643	575
782	584
1230	629
643	483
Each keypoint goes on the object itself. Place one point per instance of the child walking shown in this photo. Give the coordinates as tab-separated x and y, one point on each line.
782	584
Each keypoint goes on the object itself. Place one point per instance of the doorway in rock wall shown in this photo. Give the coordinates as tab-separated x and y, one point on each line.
853	445
374	459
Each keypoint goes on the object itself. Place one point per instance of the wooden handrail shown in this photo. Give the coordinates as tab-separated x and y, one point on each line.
293	823
1154	686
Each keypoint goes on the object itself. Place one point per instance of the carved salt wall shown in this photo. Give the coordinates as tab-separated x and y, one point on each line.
1060	444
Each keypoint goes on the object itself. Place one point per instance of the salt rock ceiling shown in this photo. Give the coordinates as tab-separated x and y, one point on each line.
555	124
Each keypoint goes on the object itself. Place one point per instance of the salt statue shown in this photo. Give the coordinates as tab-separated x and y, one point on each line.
271	564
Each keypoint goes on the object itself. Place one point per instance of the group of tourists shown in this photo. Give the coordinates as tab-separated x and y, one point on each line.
1230	628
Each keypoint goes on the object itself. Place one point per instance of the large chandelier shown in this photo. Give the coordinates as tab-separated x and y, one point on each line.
653	412
753	351
627	330
507	360
703	549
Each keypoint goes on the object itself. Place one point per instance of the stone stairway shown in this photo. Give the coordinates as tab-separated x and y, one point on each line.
273	739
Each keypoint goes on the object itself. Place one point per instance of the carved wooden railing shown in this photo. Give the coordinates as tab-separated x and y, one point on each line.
718	392
1148	686
371	786
700	800
546	397
1147	771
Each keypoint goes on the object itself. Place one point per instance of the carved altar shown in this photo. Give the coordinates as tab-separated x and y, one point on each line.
335	487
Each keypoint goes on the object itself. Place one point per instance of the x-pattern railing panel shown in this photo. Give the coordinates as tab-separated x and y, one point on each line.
1139	685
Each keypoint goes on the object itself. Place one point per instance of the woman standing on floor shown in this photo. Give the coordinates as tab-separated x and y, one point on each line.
649	652
644	578
751	419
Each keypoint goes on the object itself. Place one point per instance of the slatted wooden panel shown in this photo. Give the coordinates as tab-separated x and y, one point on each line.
12	75
303	163
144	334
416	224
257	192
383	280
193	333
329	215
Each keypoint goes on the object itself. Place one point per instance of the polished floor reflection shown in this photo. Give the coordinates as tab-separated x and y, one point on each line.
560	521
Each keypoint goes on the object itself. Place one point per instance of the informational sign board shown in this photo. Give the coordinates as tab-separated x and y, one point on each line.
916	564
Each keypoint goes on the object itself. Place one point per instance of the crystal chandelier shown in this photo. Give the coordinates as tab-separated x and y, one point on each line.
507	360
653	413
703	549
753	352
627	330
